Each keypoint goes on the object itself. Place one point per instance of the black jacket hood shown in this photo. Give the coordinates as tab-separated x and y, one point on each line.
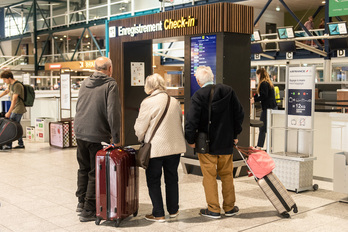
97	79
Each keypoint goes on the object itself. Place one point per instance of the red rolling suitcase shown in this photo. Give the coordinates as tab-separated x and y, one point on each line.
274	190
117	185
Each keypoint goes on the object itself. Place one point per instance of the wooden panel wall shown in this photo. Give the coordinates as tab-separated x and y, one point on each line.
212	18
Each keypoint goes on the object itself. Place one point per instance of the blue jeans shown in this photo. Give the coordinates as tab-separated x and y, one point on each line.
17	118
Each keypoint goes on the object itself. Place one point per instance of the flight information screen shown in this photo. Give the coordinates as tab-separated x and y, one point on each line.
203	53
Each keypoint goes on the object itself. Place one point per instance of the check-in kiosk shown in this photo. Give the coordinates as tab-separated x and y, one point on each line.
217	35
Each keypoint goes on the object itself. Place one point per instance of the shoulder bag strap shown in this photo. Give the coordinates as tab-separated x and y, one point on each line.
161	119
210	101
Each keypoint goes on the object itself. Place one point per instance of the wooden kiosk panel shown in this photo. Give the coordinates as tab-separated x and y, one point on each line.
219	18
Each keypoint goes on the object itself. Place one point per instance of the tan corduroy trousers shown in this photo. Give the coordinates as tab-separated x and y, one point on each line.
211	166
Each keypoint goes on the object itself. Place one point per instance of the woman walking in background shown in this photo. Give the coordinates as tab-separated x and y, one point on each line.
166	146
265	94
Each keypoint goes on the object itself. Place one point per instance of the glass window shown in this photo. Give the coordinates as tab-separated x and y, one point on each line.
339	72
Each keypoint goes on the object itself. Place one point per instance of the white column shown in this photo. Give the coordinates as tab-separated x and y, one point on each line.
68	12
327	71
51	15
87	11
109	9
133	6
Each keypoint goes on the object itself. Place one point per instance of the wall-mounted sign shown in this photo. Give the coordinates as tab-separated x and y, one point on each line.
139	29
167	24
300	97
181	23
55	66
112	32
338	7
73	65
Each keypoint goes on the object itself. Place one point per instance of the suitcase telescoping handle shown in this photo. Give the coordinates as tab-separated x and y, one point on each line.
107	146
243	152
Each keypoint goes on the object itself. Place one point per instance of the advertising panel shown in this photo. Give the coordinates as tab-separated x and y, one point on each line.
65	91
300	97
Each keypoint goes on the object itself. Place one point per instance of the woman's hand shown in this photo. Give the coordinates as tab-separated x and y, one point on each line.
192	145
252	100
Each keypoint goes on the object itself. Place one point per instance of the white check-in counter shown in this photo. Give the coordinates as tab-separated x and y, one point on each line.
330	136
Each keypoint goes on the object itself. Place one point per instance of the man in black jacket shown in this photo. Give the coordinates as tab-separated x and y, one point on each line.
97	119
226	123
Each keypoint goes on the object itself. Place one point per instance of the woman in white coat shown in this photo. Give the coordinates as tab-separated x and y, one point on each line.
166	146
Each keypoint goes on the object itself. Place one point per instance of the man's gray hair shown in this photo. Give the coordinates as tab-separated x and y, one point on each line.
154	82
103	66
204	74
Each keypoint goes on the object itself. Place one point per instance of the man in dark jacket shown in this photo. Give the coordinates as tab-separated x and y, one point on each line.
226	123
97	120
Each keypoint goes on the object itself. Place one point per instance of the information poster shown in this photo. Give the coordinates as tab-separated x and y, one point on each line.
26	78
65	91
300	97
203	53
137	73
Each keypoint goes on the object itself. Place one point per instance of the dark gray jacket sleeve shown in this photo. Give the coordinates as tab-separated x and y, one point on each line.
114	112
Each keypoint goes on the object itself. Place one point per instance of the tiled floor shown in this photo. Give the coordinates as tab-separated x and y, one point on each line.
37	187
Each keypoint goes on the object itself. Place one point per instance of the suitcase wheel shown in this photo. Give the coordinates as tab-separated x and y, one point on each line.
295	209
118	222
315	187
285	215
135	214
97	221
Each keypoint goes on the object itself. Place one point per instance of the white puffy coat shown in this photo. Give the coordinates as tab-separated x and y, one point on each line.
169	138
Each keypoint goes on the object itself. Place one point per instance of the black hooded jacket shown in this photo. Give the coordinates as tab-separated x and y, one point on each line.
226	118
98	110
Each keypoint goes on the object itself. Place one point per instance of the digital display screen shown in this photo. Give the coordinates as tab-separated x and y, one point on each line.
203	53
286	33
256	36
337	28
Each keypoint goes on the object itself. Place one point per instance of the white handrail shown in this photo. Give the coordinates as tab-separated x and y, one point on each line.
13	59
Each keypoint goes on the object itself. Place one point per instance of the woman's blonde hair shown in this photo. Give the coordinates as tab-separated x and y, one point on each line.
154	82
263	77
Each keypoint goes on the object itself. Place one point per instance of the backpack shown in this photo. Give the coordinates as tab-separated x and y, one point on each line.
29	94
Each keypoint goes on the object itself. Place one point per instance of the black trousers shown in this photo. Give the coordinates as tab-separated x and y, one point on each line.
86	152
262	132
153	177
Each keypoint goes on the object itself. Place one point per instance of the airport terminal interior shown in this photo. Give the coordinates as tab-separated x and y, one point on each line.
52	45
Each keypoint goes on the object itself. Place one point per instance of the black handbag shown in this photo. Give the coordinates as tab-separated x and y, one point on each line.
202	139
144	153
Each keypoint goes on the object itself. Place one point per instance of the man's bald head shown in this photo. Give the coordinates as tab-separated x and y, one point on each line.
104	65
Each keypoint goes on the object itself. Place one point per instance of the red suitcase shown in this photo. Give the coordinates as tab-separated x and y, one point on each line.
117	185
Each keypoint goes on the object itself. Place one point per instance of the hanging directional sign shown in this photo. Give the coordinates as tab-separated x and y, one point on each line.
338	7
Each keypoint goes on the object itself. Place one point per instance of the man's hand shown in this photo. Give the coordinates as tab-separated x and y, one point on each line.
235	141
192	145
7	115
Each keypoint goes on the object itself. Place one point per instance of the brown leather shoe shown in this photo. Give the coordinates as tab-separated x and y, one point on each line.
152	218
